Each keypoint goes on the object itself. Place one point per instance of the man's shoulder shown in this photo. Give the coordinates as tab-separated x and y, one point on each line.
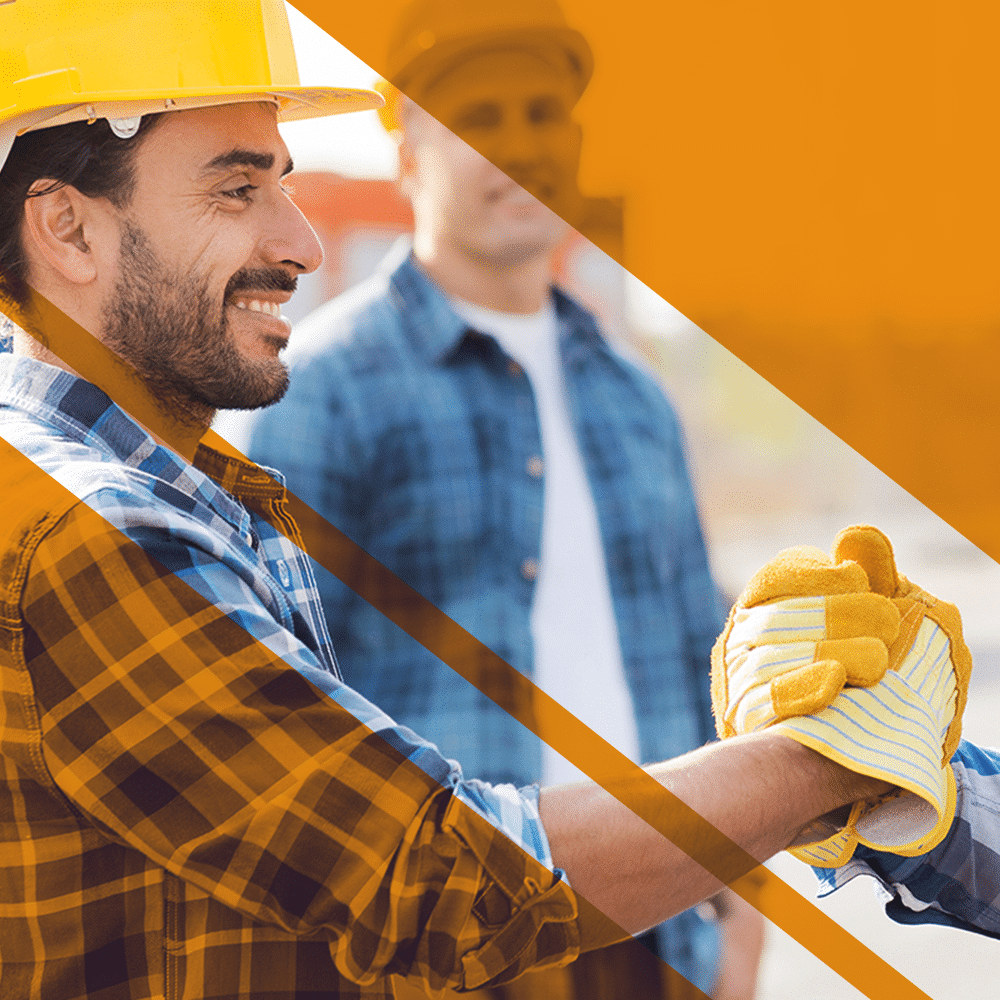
46	476
81	467
62	470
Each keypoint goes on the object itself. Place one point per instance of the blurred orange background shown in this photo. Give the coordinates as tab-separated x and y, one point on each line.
814	186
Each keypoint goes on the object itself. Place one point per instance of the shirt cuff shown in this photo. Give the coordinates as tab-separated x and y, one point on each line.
526	908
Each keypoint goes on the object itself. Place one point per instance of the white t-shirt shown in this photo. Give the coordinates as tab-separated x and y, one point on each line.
577	655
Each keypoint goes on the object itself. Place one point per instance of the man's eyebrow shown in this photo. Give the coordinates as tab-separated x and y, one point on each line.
245	158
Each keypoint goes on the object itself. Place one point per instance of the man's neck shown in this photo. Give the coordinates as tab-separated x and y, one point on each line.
519	287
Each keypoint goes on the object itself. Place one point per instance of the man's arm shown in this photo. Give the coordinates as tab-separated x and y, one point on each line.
175	732
259	779
958	882
759	790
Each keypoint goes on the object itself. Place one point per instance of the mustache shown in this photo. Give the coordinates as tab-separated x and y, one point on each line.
261	279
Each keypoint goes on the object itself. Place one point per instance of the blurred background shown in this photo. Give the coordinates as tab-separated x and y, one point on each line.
768	474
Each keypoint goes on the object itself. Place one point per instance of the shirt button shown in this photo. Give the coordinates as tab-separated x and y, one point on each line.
283	575
529	569
515	369
536	466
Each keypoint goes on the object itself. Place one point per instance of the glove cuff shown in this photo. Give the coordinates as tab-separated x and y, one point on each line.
833	851
892	827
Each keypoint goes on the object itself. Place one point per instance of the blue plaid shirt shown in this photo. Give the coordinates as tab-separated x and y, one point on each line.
412	433
188	519
958	883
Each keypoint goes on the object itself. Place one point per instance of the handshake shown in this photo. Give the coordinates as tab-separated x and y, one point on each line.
848	657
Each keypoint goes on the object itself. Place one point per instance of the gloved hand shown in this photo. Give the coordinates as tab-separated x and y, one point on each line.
815	668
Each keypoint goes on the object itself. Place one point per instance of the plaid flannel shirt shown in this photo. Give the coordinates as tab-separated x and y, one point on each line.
414	435
193	804
958	882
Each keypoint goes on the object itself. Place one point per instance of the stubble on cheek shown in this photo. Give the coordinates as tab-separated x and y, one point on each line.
178	338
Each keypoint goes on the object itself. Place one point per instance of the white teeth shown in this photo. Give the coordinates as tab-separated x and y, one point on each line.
271	308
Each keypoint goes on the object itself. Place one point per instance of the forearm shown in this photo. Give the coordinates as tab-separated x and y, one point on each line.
758	790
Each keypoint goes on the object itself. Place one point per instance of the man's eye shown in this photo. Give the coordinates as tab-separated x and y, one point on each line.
547	110
240	193
479	116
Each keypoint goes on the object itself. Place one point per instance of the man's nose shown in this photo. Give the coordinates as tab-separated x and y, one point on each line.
516	145
290	239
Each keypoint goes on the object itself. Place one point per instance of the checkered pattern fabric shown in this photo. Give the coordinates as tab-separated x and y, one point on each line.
192	803
415	435
957	883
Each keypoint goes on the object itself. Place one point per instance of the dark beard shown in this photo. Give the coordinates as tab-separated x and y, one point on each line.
178	340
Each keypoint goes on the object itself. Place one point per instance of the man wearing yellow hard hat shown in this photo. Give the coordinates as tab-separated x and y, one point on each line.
192	803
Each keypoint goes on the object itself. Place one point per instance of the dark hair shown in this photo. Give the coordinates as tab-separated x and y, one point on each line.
90	158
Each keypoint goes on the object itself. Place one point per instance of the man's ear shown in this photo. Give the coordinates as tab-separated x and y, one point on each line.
57	226
407	166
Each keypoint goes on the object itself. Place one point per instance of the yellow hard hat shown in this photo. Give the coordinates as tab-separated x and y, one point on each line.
68	60
430	35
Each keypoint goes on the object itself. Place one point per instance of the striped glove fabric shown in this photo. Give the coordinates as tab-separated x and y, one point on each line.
848	657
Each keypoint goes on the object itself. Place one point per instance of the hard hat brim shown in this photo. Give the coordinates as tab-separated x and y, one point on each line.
414	63
293	104
317	102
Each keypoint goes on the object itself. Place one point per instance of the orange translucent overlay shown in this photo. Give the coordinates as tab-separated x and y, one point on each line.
815	186
511	690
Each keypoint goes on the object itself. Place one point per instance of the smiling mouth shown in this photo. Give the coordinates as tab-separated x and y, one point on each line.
259	306
523	195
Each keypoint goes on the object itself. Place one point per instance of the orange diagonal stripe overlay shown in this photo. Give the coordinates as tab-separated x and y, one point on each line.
510	689
814	185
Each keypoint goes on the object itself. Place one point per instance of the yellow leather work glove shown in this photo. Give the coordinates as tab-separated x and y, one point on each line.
814	666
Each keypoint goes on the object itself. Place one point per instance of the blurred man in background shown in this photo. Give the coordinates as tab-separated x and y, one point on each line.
469	425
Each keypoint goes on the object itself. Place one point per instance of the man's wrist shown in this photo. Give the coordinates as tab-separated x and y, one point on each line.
833	787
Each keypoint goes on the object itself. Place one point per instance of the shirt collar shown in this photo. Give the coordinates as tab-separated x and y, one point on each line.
438	332
83	412
433	327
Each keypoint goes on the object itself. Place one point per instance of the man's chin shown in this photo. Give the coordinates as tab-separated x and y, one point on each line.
521	249
258	401
275	398
253	388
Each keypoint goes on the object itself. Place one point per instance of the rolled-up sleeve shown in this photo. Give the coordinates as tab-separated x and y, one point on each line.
266	783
